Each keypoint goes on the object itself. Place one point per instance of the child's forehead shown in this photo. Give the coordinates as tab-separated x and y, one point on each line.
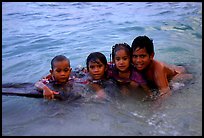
63	62
121	52
140	50
95	61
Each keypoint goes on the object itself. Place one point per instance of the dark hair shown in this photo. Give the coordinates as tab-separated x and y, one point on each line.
57	59
143	42
120	46
93	57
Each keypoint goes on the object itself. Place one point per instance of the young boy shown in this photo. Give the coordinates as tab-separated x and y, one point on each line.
156	73
59	80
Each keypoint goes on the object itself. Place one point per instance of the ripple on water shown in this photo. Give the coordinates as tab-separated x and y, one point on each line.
34	32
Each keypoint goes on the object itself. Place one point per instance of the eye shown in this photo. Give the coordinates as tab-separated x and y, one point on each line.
58	70
125	58
100	65
134	56
142	56
117	59
91	67
66	69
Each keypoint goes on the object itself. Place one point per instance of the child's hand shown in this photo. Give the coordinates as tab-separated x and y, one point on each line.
48	94
101	94
48	77
165	92
165	95
125	91
149	98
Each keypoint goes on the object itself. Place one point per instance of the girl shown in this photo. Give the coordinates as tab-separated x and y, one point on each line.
123	72
96	64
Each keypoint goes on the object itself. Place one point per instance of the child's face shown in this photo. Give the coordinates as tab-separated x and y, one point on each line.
141	59
61	71
122	60
96	70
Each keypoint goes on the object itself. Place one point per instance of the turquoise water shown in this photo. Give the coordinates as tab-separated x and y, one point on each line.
34	32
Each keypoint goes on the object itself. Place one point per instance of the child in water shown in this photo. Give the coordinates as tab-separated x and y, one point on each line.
123	72
59	80
157	74
96	64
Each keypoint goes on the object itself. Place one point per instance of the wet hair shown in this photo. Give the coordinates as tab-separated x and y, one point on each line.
120	46
57	59
143	42
94	57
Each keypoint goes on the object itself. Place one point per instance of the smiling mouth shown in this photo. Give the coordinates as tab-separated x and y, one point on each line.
121	66
97	75
139	66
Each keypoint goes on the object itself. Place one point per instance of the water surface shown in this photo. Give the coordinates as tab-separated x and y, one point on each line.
34	32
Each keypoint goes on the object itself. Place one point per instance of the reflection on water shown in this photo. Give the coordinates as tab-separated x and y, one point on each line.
34	32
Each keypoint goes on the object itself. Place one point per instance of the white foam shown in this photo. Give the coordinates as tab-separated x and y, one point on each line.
177	85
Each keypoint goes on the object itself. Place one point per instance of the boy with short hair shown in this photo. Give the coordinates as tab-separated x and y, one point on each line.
156	73
59	80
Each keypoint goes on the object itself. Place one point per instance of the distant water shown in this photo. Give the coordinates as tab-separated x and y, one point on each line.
34	32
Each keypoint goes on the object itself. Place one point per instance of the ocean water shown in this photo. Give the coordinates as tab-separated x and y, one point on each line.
34	32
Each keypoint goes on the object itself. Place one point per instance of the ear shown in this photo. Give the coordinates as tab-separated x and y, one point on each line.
151	56
70	69
106	67
51	71
113	61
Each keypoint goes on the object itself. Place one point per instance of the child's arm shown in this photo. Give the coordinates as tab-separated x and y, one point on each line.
147	90
99	90
47	92
160	78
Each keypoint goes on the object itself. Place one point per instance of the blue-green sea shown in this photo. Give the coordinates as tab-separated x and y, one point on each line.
34	32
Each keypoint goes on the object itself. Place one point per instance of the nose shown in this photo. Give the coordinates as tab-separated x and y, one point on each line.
138	59
121	62
96	69
62	73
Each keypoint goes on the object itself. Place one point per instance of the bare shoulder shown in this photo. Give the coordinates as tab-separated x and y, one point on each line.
169	70
158	66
